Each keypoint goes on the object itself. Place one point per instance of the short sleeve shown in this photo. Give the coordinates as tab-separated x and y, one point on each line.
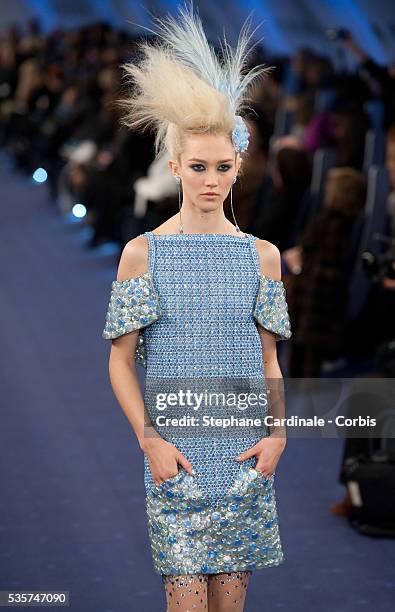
134	303
271	309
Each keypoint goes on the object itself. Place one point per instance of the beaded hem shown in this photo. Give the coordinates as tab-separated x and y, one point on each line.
190	535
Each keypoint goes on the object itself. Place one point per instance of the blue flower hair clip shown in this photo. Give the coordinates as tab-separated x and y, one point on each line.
240	135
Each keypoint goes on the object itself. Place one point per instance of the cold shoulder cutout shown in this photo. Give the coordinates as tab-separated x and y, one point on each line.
133	304
271	309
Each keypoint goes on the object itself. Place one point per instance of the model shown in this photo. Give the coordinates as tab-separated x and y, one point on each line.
200	305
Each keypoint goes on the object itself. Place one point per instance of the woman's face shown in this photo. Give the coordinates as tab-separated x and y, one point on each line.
207	165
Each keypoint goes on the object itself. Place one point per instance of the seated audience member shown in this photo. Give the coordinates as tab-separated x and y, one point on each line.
318	287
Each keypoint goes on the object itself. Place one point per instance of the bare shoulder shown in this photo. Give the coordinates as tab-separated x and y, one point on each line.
269	259
170	226
134	258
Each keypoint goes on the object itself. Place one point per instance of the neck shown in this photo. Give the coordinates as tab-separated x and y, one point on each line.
213	221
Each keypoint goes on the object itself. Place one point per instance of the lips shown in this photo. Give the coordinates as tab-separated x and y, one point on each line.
210	193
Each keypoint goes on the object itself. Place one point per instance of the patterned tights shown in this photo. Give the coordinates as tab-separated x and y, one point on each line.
206	592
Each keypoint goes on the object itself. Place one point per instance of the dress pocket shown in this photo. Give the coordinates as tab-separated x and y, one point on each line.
170	480
248	482
179	489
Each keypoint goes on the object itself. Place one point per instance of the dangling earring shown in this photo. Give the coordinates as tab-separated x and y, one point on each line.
178	179
231	203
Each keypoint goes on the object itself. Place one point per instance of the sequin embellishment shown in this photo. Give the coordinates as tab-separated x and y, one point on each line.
134	304
188	534
271	309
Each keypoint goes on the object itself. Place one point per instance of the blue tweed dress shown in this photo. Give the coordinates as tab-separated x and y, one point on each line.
198	308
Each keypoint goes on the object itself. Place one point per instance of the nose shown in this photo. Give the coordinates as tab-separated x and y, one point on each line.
211	182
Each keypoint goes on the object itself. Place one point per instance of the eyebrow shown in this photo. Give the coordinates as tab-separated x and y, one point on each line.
204	161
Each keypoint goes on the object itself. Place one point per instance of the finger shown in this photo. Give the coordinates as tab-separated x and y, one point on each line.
185	464
263	471
250	452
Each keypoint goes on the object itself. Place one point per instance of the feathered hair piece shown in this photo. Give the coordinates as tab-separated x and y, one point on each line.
181	85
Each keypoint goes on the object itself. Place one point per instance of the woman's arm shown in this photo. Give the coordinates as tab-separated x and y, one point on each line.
122	366
270	265
162	456
269	449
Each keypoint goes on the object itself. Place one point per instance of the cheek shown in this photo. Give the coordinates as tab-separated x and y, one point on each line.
194	179
226	182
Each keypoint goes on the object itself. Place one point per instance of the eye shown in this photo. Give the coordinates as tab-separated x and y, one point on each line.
225	166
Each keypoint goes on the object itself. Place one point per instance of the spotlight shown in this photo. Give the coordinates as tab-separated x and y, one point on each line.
40	175
79	211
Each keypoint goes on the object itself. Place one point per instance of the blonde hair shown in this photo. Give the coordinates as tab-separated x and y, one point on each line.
179	87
